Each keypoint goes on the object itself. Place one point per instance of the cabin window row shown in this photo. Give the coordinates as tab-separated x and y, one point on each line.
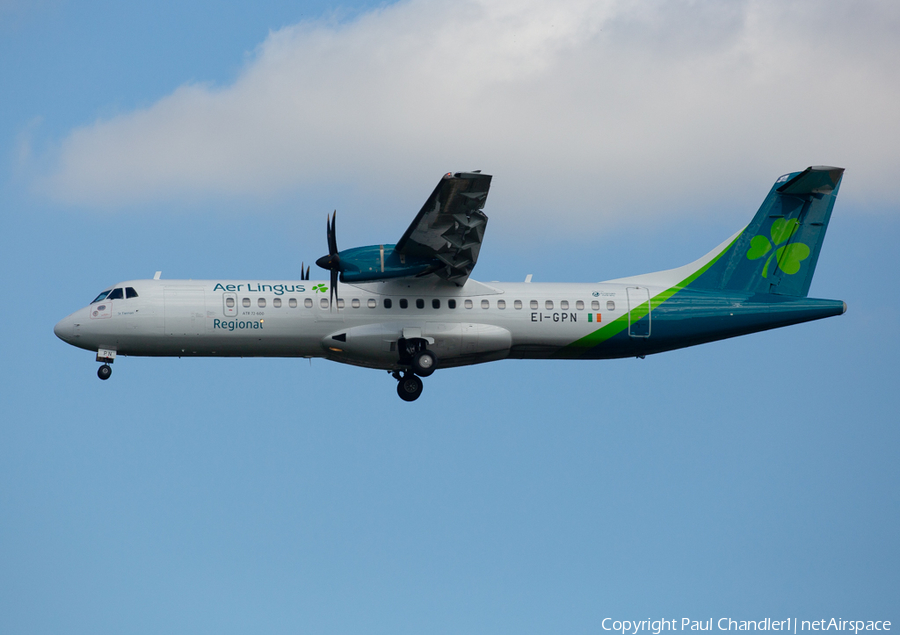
420	303
564	305
292	303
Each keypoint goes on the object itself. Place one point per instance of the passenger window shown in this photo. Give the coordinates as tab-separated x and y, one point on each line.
468	304
354	303
229	302
534	305
485	304
595	306
517	304
451	304
403	303
131	293
420	303
579	305
610	305
261	303
340	303
116	294
246	302
292	303
387	303
276	303
548	304
371	303
564	305
435	304
102	296
308	303
323	303
501	304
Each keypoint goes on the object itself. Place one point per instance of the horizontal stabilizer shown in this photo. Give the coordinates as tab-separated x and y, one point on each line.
813	180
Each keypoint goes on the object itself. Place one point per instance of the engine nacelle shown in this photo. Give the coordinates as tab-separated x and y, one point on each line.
381	262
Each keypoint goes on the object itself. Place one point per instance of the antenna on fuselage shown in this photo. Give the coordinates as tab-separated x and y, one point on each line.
157	275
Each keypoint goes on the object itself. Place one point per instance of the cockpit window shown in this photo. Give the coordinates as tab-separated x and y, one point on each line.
130	292
116	294
102	296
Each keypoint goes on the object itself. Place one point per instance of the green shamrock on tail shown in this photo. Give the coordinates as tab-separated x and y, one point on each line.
320	288
787	257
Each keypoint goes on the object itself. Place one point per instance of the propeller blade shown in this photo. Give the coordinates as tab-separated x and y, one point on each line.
333	289
307	273
332	235
332	260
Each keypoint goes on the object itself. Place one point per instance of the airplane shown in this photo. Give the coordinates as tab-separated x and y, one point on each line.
411	308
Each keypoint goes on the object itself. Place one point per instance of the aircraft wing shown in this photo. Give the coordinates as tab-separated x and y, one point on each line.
450	226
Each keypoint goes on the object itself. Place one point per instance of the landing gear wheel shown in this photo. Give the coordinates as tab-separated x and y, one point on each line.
104	372
424	363
409	387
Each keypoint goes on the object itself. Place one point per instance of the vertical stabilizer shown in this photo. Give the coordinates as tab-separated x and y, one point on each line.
778	251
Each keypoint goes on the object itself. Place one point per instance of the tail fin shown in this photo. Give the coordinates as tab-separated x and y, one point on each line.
777	252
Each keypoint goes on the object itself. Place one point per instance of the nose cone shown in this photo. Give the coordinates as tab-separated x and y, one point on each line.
64	328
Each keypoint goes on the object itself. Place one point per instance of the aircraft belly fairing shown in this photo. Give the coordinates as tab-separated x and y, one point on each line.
452	342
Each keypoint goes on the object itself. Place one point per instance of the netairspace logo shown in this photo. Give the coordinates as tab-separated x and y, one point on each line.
791	624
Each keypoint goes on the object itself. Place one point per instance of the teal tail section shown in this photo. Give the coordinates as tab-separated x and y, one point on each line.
777	252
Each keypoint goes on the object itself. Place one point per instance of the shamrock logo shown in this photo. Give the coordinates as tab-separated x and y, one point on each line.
787	257
320	288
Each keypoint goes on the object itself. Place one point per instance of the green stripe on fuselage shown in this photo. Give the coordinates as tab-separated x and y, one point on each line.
576	348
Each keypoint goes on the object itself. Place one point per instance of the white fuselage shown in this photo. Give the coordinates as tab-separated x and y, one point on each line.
463	325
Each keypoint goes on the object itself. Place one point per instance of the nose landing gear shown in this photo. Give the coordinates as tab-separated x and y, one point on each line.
107	357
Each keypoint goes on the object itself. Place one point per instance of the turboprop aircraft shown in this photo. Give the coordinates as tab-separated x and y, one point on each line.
410	308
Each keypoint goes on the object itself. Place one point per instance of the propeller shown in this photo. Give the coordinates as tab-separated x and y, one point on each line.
332	261
304	275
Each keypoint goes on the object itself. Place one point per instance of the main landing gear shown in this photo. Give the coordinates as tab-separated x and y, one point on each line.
409	387
421	362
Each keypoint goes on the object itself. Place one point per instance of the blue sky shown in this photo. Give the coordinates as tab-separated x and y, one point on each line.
750	478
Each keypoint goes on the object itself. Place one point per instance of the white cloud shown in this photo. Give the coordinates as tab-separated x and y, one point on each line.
598	109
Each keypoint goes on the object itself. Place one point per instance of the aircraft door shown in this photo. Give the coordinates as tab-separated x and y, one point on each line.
639	311
185	312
